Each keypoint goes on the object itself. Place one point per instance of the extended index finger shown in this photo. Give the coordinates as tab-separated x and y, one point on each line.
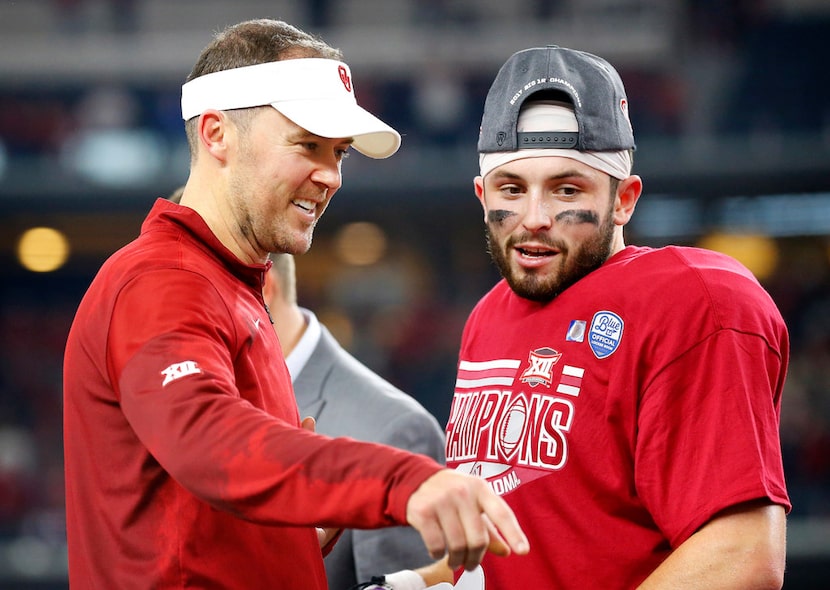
497	545
500	516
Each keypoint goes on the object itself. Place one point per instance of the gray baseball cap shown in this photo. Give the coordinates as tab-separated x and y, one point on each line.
589	82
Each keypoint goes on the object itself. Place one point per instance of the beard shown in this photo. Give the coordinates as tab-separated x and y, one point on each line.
263	223
544	285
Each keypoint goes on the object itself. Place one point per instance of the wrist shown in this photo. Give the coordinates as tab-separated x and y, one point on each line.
405	580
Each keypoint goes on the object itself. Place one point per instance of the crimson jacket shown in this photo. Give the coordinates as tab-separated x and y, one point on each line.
185	463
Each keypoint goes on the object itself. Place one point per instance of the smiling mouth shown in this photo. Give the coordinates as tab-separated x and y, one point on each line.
536	252
307	206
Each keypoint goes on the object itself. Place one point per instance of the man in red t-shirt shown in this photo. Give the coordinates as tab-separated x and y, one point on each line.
624	400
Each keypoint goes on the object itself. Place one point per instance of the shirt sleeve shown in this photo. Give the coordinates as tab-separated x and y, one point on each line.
218	445
708	433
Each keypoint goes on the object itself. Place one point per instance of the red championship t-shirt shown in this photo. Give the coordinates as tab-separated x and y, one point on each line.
621	416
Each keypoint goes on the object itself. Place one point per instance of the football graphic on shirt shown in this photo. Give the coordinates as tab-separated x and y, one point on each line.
512	426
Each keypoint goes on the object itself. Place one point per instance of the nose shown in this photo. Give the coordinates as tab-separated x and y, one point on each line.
328	175
537	215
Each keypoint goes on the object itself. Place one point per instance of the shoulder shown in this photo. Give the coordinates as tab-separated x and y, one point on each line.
683	268
165	273
347	372
151	269
693	286
497	298
369	386
161	245
362	404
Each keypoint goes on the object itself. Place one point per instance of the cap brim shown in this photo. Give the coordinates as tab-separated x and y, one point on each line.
336	118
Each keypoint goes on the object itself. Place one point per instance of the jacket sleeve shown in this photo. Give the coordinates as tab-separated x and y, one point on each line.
174	350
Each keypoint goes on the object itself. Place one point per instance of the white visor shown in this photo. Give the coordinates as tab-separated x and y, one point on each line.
316	94
555	116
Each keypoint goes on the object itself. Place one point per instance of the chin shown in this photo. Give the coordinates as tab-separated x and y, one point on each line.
294	246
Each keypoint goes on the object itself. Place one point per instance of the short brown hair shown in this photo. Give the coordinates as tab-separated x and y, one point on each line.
249	43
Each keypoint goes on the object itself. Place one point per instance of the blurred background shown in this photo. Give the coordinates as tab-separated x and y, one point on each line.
730	102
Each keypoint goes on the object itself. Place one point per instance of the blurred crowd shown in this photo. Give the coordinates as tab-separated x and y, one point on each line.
439	105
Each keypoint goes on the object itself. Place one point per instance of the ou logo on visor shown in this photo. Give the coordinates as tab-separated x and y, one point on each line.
344	77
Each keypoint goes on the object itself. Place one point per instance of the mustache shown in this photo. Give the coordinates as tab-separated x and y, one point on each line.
539	238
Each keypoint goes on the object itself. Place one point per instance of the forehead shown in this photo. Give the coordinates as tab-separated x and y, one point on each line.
546	168
290	130
271	119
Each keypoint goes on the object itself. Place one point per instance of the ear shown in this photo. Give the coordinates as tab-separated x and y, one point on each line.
478	184
628	192
212	130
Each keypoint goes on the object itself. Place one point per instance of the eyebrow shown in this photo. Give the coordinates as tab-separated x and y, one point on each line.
572	173
302	134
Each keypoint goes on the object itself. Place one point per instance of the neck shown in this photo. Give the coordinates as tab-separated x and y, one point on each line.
290	325
214	207
618	243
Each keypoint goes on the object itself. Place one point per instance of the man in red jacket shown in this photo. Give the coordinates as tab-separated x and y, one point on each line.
186	463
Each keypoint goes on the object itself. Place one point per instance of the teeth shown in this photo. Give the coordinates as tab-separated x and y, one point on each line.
307	205
534	252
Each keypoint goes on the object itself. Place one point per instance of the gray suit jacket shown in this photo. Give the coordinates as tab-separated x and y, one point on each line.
348	399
